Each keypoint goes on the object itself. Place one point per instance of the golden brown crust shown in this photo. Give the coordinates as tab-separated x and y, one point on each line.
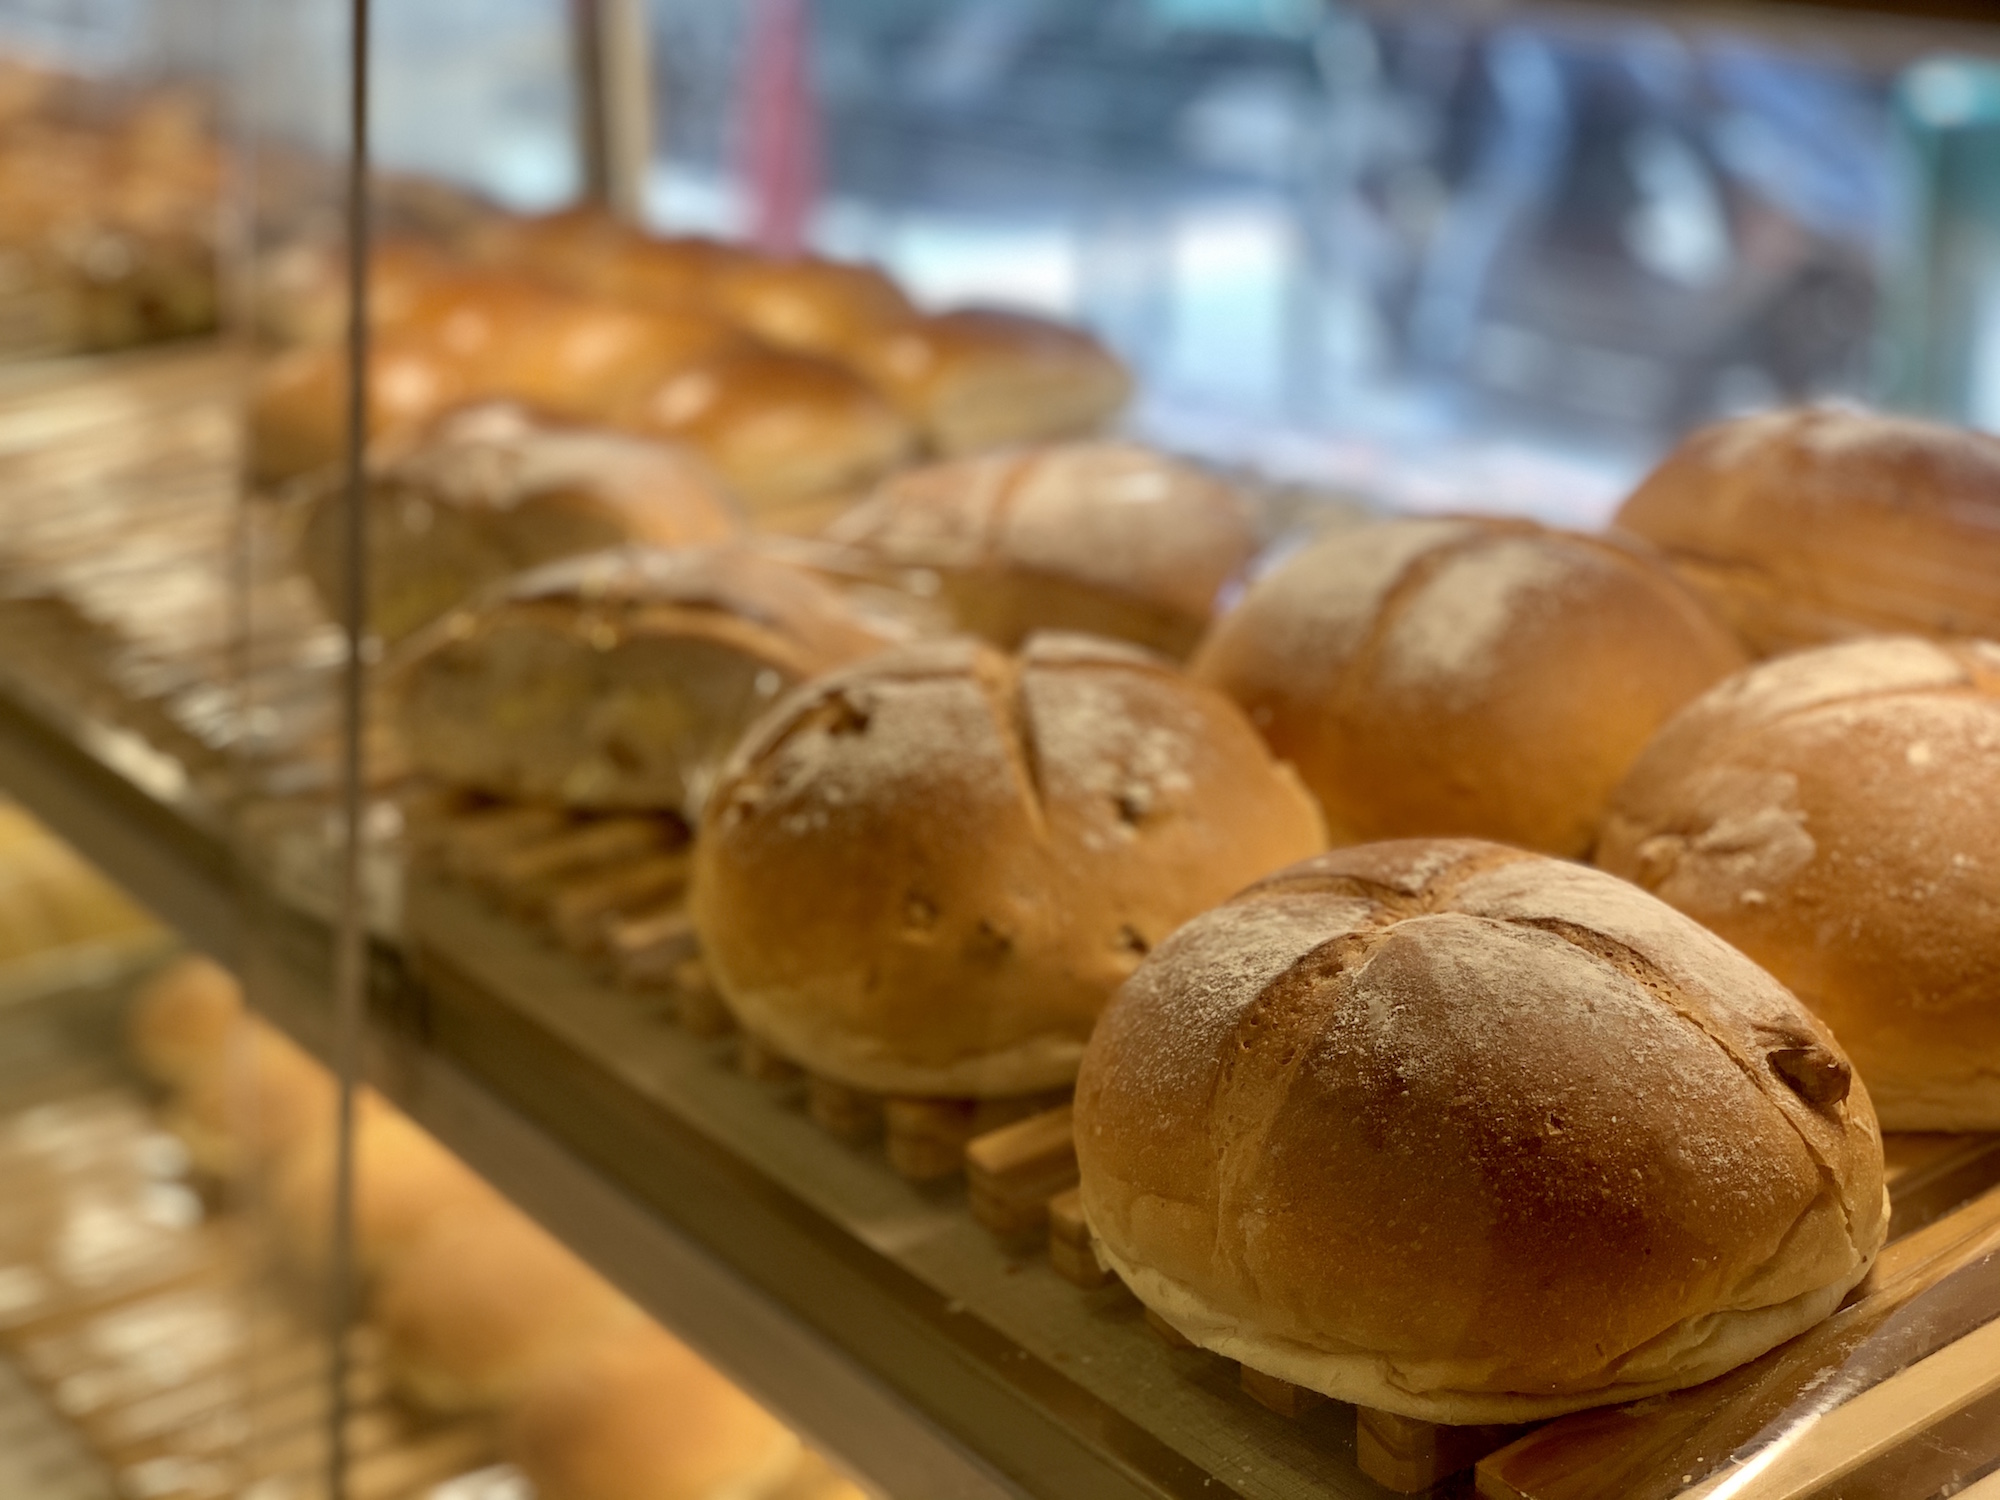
810	304
258	1101
619	679
1818	523
641	1417
483	1304
1473	1135
926	874
1834	814
980	378
1104	538
781	428
493	490
1484	678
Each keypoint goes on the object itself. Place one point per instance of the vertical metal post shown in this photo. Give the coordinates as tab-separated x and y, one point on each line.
350	958
614	101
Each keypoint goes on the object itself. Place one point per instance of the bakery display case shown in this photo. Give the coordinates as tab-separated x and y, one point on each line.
983	749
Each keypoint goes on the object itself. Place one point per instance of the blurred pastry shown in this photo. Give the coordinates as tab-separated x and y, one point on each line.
641	1417
980	378
618	679
259	1103
492	491
1473	1135
812	305
1477	677
182	1020
299	403
403	1182
925	874
783	429
1105	538
1816	523
1835	814
483	1304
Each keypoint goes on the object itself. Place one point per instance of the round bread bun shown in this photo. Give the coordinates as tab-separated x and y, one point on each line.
927	873
181	1022
1104	538
403	1181
1816	523
298	407
1485	678
261	1100
810	304
781	428
641	1417
1835	814
982	378
483	1303
493	490
620	679
1473	1135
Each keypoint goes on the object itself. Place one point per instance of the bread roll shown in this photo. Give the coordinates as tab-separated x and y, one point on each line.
403	1181
483	1304
979	378
1106	538
1486	678
781	428
492	491
1835	814
588	250
812	305
641	1417
617	680
1473	1135
261	1100
298	405
181	1022
1817	523
927	873
302	296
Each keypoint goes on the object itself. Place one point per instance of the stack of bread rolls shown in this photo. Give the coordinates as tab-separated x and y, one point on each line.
800	380
479	1310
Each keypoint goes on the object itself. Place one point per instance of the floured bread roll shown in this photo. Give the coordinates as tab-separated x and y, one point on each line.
1106	538
1835	814
979	378
484	1304
619	679
927	873
492	491
403	1181
642	1417
1473	1135
1476	677
1816	523
783	429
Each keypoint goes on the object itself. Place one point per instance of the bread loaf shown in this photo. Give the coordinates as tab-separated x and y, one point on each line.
782	429
979	378
618	679
1835	814
181	1022
1817	523
643	1418
1485	678
484	1304
811	304
927	873
298	404
493	490
257	1101
1105	538
1473	1135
